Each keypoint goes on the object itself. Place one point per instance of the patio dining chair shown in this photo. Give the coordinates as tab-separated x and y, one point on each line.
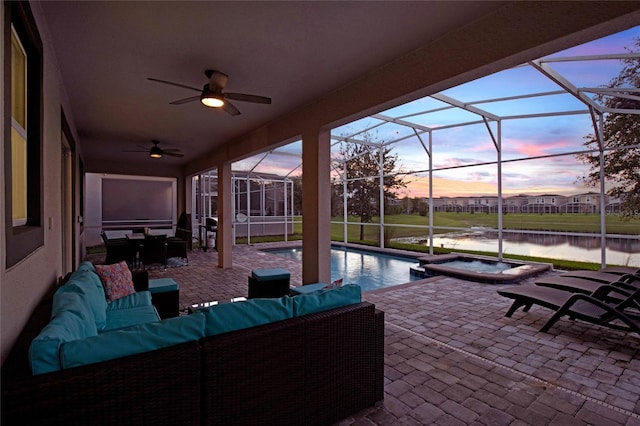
179	244
118	249
154	250
596	308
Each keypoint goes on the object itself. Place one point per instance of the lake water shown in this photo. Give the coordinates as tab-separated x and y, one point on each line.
620	251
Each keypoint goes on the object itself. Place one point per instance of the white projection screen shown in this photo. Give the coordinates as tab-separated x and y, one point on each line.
130	200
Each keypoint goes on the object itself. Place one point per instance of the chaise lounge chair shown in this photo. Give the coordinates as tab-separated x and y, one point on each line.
621	270
595	308
603	277
587	286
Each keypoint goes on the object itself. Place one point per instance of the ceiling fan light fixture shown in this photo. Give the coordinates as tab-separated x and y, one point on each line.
211	96
155	152
212	101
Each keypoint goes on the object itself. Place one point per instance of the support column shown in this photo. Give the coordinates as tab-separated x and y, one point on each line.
381	193
225	218
316	207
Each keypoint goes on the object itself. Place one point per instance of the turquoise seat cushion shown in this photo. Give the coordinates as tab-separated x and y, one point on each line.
92	287
162	285
270	274
66	326
328	299
134	300
124	318
133	340
308	288
226	317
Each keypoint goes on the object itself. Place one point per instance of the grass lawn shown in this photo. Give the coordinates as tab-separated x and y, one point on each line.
535	222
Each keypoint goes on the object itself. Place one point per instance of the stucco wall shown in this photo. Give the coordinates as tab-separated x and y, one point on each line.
23	285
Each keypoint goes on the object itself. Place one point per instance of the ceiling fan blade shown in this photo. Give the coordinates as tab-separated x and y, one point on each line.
230	108
172	154
146	150
174	84
185	100
247	98
171	150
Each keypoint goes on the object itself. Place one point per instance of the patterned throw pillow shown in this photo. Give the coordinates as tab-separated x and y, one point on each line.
116	279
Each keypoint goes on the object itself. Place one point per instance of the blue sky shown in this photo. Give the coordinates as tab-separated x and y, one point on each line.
471	145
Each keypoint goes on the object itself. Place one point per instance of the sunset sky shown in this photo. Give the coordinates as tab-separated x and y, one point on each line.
471	145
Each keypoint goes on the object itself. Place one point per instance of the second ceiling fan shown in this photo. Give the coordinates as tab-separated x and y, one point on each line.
156	152
212	94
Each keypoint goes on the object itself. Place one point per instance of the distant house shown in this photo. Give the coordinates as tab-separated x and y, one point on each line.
588	202
613	205
481	204
514	204
447	204
548	203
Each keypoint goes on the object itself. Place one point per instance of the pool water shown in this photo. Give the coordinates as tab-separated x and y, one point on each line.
478	266
370	270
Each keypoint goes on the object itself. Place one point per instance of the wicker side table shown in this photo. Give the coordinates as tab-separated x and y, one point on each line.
272	282
165	296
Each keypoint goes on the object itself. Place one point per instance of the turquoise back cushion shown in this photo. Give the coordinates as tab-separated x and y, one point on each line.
133	340
73	301
66	326
327	299
87	266
91	285
227	317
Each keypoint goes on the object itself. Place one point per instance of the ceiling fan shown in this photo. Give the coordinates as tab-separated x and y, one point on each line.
156	152
212	94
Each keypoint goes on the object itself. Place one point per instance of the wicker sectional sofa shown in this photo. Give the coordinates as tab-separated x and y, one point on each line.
309	359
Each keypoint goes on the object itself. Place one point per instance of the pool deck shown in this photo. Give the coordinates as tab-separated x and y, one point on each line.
453	358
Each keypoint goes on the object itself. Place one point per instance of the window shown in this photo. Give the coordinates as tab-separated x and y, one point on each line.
18	131
23	132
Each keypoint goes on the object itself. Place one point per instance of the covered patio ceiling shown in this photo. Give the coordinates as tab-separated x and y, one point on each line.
320	62
292	52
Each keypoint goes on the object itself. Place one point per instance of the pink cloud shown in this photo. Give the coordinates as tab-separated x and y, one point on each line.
535	148
483	147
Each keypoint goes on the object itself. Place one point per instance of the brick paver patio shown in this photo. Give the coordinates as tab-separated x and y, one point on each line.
452	358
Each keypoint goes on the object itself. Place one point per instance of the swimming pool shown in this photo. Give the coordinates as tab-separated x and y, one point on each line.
368	269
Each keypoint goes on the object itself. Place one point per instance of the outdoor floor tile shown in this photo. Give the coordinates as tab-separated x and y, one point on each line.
452	357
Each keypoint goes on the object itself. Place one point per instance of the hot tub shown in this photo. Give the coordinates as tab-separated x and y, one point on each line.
482	269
